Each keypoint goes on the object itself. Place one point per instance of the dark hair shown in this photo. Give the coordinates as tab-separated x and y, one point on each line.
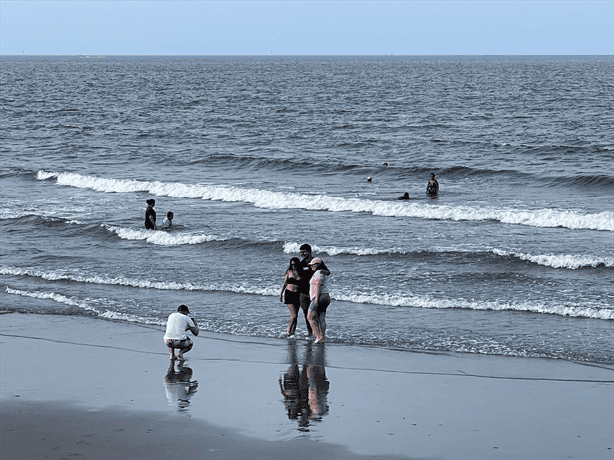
432	174
296	260
169	215
181	308
151	202
305	247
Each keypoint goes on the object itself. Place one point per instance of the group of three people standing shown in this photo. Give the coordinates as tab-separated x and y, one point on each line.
305	287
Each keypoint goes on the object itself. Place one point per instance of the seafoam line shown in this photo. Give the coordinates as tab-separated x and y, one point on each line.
82	304
567	261
287	200
393	299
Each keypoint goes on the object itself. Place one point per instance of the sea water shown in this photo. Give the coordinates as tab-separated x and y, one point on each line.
258	155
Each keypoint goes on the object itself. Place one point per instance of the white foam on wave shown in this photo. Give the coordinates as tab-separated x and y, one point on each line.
293	248
53	296
59	275
398	300
394	300
83	304
162	238
15	214
287	200
44	175
568	261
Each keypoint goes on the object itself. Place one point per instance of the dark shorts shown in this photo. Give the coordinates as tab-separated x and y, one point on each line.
180	344
323	303
292	298
305	301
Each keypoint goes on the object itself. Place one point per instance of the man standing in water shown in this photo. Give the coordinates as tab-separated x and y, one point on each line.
306	274
176	326
432	187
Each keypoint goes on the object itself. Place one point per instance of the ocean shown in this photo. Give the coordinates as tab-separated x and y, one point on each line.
258	155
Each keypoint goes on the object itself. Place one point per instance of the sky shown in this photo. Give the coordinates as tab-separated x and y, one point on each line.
293	27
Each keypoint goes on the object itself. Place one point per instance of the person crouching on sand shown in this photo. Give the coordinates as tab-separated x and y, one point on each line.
292	297
320	300
176	326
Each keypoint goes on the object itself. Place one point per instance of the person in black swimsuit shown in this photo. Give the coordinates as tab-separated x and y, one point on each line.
292	298
432	187
150	215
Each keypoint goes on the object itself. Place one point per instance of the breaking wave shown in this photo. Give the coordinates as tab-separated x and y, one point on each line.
161	237
393	299
567	261
83	305
287	200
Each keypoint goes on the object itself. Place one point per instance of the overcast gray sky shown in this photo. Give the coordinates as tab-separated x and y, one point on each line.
291	27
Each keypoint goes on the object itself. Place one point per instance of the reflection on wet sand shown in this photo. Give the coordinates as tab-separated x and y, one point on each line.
179	385
304	385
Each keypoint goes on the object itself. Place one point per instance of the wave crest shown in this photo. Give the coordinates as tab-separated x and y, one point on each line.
161	238
393	299
285	200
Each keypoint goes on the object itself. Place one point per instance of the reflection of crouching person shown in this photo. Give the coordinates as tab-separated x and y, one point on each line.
176	326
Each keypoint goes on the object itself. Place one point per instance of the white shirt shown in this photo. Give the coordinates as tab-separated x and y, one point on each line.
166	223
176	326
318	278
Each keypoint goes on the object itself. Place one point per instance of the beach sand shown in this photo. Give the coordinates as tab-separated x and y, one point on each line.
79	387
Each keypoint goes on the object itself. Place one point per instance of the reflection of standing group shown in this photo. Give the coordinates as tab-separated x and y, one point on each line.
305	388
305	287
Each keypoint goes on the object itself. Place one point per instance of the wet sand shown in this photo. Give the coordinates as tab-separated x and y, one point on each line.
75	386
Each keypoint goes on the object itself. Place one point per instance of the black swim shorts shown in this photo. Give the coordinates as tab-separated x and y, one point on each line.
292	298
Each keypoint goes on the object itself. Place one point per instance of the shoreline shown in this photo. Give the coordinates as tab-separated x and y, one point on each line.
270	394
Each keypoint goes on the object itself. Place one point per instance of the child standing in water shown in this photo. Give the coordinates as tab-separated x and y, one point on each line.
168	220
